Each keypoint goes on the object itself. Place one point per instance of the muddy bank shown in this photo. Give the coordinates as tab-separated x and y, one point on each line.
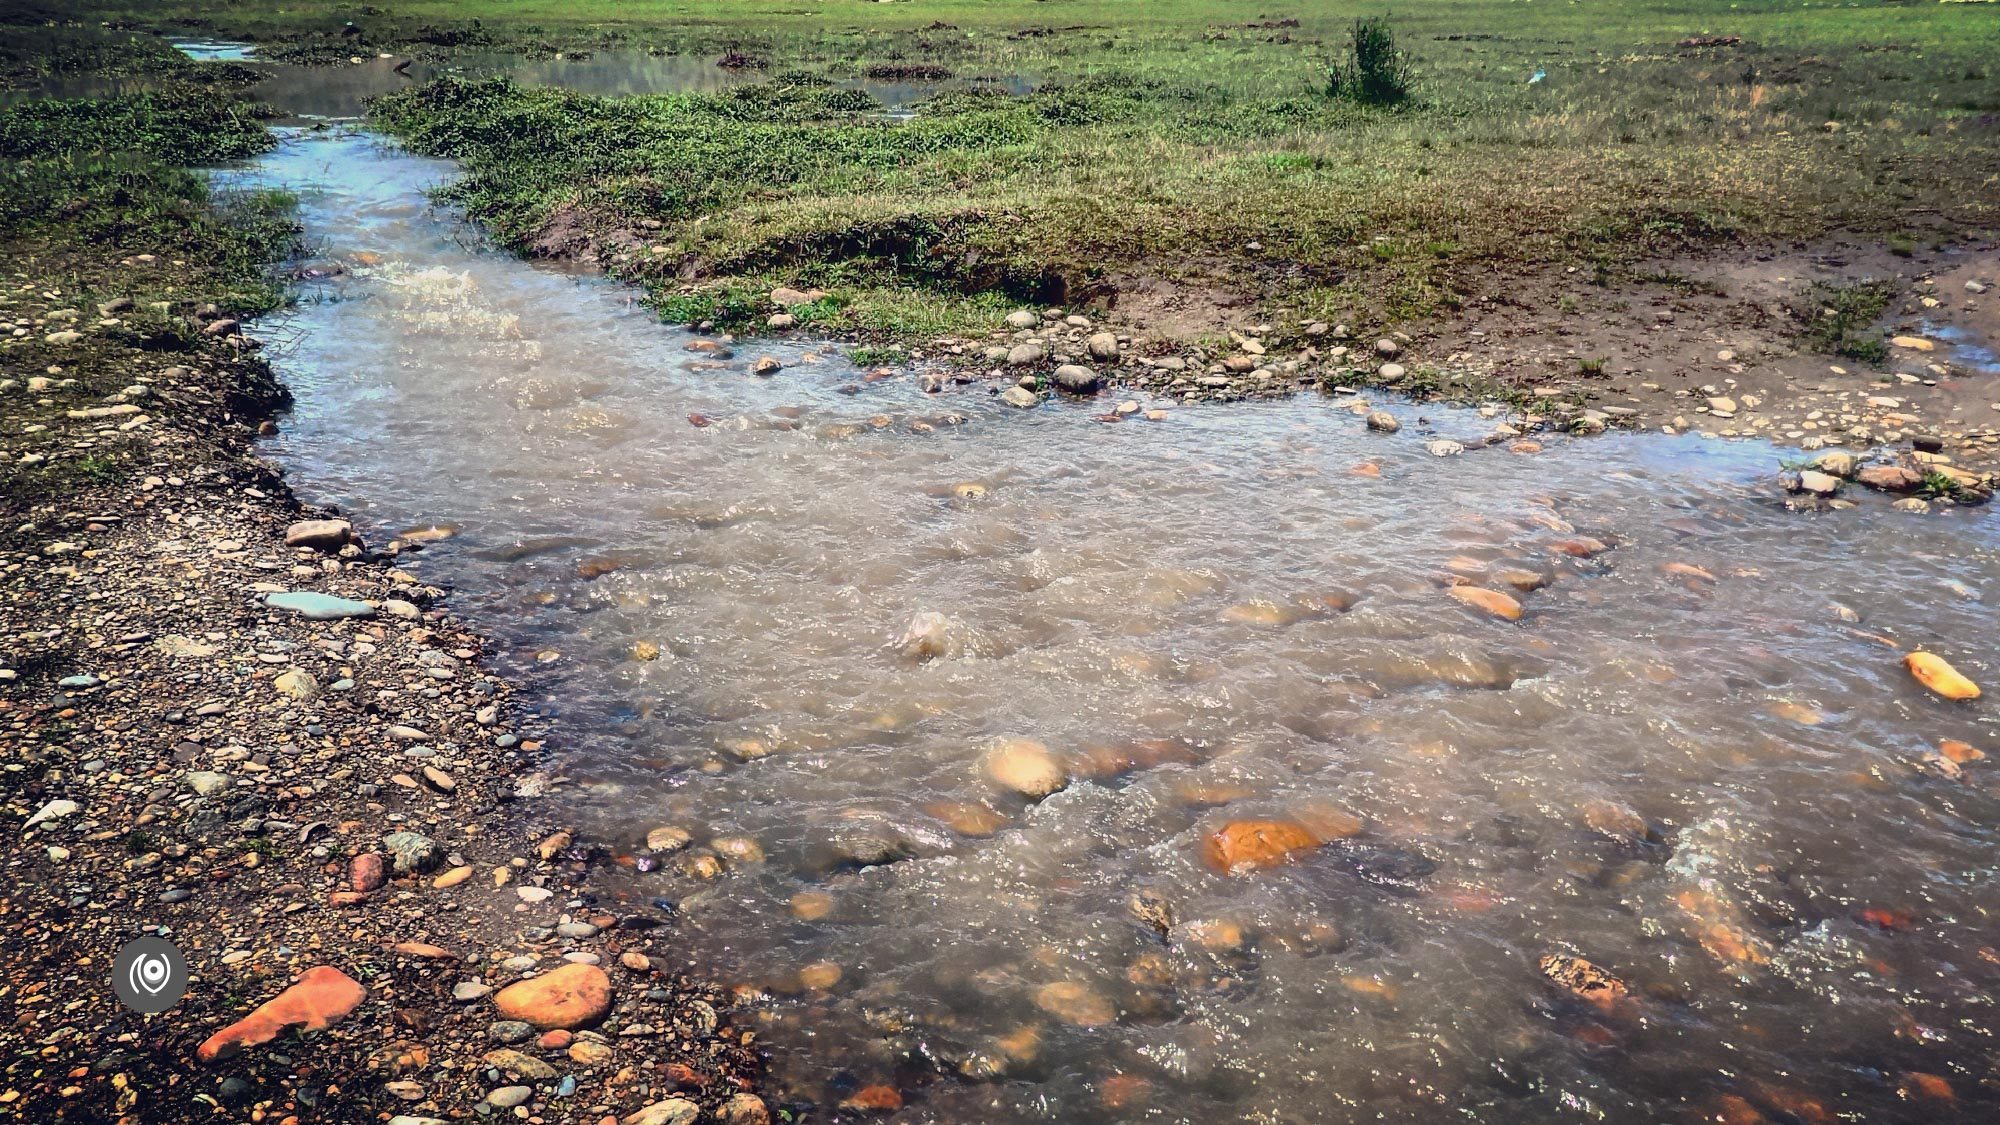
275	745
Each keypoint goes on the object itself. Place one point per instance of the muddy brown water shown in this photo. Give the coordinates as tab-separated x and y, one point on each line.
1695	762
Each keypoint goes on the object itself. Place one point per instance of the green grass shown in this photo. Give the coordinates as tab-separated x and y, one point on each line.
1167	137
97	202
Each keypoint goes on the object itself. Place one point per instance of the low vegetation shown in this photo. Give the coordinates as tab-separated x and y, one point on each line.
1188	144
1324	206
1375	73
1840	319
97	204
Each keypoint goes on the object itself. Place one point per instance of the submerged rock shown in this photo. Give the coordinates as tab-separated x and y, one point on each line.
1937	674
1025	766
1583	979
1077	1004
927	637
1492	601
1246	845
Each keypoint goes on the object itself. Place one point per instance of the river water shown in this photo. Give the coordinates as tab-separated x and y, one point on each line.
1696	761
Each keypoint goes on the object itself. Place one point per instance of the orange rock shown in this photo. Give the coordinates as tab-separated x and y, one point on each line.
1732	1110
1889	918
1615	820
1688	570
1580	548
568	997
1123	1091
1796	1103
1492	601
422	949
1245	845
1075	1003
1960	752
322	996
1367	469
1928	1086
1937	674
875	1099
1370	986
1583	979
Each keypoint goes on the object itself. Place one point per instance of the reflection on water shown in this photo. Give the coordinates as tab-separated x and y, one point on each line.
813	627
214	50
341	91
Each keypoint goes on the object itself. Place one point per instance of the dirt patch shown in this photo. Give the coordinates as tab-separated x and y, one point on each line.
1179	309
1662	340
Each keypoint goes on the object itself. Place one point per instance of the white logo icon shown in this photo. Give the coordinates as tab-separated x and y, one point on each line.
151	975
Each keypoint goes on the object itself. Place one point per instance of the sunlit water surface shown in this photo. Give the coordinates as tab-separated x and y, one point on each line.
1695	762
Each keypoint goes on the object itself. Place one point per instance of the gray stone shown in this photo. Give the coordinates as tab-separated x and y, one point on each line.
320	535
508	1031
673	1111
1077	379
1383	422
1020	396
507	1097
54	810
414	853
207	783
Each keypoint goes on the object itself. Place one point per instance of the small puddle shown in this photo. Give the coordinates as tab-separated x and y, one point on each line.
1965	348
797	630
341	91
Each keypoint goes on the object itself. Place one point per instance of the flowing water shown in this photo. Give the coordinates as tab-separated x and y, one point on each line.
1696	761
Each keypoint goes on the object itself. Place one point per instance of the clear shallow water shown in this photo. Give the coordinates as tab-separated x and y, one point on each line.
1701	781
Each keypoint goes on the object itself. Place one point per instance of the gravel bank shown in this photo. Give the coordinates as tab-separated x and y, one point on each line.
329	790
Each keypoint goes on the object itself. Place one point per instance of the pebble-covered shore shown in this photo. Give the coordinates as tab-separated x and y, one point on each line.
230	722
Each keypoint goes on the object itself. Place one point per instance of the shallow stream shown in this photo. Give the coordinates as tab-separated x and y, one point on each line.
1696	761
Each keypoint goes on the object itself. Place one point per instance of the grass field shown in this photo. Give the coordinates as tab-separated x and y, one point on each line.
1192	142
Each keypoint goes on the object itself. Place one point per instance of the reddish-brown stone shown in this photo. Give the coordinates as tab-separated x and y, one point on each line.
320	998
1243	845
568	997
367	872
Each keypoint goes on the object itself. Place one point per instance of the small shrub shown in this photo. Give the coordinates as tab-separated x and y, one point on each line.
1835	319
1375	73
